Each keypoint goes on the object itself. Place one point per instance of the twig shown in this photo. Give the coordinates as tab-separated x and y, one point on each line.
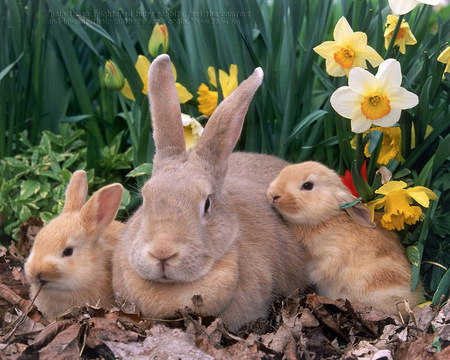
20	319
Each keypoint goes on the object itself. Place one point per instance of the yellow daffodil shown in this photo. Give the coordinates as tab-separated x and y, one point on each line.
404	36
207	99
397	204
390	145
142	66
348	50
192	131
159	40
370	99
113	76
402	7
444	58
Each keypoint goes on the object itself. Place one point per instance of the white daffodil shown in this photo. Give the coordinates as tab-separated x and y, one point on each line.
348	50
369	99
192	131
402	7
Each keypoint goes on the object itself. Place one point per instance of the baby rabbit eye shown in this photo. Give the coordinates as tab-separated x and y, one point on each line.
307	186
68	251
207	205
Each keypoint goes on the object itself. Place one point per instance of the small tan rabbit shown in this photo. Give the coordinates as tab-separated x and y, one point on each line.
350	256
71	257
205	229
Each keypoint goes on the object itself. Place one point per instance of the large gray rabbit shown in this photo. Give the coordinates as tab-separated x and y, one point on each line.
204	230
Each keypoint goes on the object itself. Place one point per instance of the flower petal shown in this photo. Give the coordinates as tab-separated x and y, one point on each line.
360	124
212	76
334	69
183	94
344	101
357	42
342	30
228	82
142	66
373	57
429	2
362	81
375	204
126	91
389	119
327	49
400	98
444	56
174	71
401	7
422	195
390	186
389	74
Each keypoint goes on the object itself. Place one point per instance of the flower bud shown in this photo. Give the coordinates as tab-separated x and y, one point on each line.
113	76
159	40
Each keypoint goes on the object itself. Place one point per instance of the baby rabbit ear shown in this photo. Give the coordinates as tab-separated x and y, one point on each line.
76	192
165	110
361	214
223	129
101	209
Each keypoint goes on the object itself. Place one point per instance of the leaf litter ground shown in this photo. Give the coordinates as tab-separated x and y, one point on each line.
302	326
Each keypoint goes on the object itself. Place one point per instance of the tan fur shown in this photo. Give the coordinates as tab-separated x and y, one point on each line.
238	254
87	227
347	259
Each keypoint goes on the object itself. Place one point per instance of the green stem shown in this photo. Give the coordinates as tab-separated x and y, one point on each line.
36	75
394	36
134	138
359	150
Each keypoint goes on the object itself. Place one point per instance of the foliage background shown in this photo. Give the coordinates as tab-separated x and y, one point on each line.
56	114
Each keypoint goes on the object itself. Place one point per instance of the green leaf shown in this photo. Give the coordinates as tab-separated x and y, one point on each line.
350	204
413	255
307	121
8	68
46	217
443	288
143	169
375	137
442	153
126	198
24	214
97	28
361	185
28	188
421	120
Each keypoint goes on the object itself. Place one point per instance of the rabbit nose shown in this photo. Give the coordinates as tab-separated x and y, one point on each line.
161	256
273	197
41	281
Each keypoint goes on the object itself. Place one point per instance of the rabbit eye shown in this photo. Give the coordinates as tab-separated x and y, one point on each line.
68	251
207	205
307	186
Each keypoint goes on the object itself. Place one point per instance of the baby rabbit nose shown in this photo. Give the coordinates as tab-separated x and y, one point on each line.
161	255
42	281
273	197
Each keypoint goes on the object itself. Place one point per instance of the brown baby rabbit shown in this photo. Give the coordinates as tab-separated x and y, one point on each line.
203	230
71	256
350	257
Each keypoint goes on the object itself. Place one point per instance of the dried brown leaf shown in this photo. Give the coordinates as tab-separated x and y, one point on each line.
66	345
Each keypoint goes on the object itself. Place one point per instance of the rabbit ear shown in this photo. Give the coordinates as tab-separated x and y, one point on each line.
223	129
165	110
76	192
101	209
361	214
